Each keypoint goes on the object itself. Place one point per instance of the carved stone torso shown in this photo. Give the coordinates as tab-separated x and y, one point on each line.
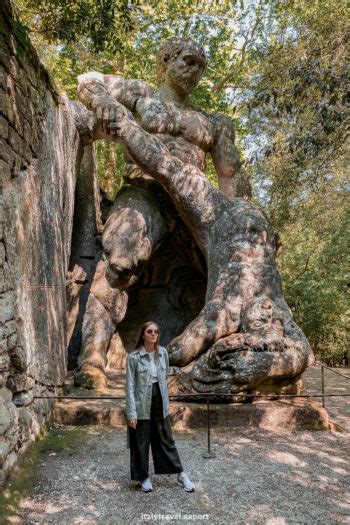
187	132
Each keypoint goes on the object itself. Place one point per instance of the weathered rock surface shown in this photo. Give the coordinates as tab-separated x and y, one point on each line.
270	415
40	150
116	354
273	415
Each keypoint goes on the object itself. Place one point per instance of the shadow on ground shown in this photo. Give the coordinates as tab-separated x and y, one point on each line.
81	476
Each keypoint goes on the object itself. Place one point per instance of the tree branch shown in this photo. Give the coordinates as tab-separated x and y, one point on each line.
243	52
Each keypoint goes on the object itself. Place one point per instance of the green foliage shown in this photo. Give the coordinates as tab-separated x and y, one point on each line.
298	110
315	270
103	22
110	167
296	115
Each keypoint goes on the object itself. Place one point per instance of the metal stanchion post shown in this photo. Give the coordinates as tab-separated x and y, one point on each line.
208	453
322	385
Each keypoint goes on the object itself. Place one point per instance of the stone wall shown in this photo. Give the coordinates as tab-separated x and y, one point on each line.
40	153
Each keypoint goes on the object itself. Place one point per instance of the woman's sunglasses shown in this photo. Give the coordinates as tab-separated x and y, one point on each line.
152	331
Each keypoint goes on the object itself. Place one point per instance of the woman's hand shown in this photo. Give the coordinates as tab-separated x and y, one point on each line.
132	423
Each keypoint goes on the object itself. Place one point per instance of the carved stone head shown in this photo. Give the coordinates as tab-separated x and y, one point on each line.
180	63
263	319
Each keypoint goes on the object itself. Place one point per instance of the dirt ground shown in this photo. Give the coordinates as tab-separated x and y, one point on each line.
80	476
338	407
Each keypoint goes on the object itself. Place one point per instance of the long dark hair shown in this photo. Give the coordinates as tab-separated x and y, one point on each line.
140	340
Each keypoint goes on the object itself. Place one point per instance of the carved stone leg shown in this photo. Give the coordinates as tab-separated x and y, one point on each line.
105	308
133	229
216	319
98	329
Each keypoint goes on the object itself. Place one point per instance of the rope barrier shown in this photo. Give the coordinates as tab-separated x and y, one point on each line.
331	369
273	396
209	453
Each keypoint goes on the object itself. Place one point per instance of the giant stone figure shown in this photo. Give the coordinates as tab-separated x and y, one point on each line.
244	338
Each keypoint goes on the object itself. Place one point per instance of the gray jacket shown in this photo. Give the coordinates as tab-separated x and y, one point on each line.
138	385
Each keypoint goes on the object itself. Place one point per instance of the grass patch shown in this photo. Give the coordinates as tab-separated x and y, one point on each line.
26	474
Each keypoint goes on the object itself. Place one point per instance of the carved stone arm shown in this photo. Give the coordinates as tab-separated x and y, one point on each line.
94	87
109	97
233	180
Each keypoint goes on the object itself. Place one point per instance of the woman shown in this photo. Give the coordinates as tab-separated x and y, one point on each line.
147	411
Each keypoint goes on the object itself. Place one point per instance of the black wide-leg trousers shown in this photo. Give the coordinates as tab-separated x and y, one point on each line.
156	432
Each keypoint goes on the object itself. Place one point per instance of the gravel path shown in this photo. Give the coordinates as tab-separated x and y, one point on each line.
80	475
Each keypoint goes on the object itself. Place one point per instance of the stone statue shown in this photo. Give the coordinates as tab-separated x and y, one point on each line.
244	336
